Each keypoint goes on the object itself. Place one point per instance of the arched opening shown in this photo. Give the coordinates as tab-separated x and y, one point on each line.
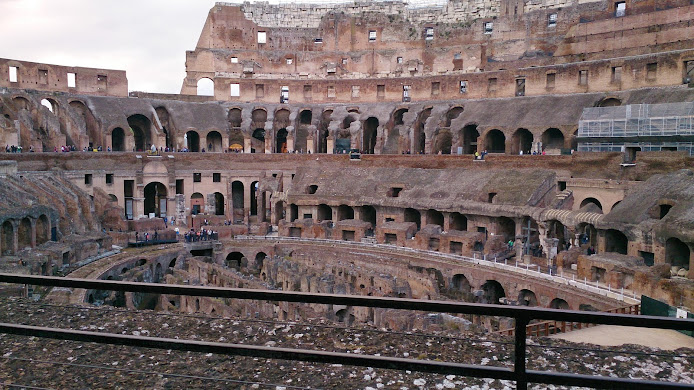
24	233
556	229
323	132
218	203
434	217
495	142
254	198
214	142
258	141
7	243
616	242
559	304
259	260
369	135
461	285
237	200
553	139
398	116
663	210
609	102
493	291
293	212
281	119
587	234
469	139
21	103
197	203
259	117
50	105
205	87
236	140
522	141
192	141
91	127
118	140
458	222
305	117
506	227
325	213
281	141
412	215
677	253
234	117
344	316
157	273
345	212
452	114
42	230
172	263
419	136
141	128
527	298
234	260
368	214
166	128
443	142
155	199
591	205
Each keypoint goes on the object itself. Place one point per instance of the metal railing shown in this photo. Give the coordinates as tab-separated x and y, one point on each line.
521	269
522	316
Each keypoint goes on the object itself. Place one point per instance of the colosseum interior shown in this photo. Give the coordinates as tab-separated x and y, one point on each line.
510	152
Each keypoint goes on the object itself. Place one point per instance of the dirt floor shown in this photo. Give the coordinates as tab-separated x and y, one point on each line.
612	335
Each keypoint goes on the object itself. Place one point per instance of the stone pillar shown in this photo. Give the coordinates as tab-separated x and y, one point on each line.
261	207
179	203
446	222
330	145
310	148
247	201
246	145
601	242
33	234
268	143
139	207
290	144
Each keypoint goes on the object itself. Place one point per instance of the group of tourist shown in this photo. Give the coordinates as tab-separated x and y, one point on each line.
201	235
146	237
13	149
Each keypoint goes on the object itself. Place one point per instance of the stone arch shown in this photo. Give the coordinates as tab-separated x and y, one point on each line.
218	203
118	140
281	141
166	125
22	103
453	113
419	136
495	141
461	285
527	298
493	291
609	102
7	243
197	203
260	259
234	260
24	238
234	117
155	199
281	119
192	141
434	217
205	87
293	212
90	123
43	228
589	232
305	117
237	191
157	273
214	142
345	212
552	138
324	132
559	304
254	198
443	142
616	241
236	140
259	117
51	105
506	227
458	222
324	213
258	141
369	135
469	136
522	141
677	253
368	214
141	128
591	205
413	215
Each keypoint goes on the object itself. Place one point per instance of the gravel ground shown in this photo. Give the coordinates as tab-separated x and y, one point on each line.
43	363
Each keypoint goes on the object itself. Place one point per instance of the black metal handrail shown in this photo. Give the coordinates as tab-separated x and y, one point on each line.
522	316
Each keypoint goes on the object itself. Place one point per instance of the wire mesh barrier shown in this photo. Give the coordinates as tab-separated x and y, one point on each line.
522	316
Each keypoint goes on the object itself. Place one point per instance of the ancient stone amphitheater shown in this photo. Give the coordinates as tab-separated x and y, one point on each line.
533	153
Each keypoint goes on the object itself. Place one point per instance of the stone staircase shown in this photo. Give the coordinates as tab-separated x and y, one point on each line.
561	198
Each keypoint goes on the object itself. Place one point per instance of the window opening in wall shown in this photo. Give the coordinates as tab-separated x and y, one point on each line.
234	60
520	87
406	93
664	210
381	91
109	178
651	71
179	186
552	20
648	258
311	189
463	86
197	177
399	60
551	78
488	27
490	198
71	80
284	95
102	80
616	74
688	72
372	35
491	86
235	90
216	177
561	185
435	88
259	91
318	40
344	61
620	9
457	56
331	91
583	77
13	74
88	179
262	37
290	61
355	91
43	76
394	192
429	33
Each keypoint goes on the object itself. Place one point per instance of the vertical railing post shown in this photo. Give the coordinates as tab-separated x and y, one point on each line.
519	352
